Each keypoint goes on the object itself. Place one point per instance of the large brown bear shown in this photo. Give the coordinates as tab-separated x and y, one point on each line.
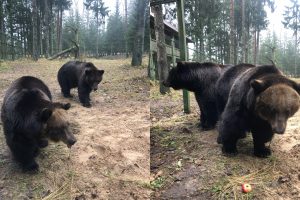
83	75
199	78
260	101
30	118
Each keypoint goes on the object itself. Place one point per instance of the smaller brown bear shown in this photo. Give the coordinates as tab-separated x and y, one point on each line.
83	75
260	101
30	118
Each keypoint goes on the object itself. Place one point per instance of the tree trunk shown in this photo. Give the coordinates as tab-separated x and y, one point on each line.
60	30
232	32
1	30
254	47
57	31
46	25
243	33
34	31
40	34
125	30
296	43
162	64
50	28
97	34
69	50
138	44
257	46
247	36
11	29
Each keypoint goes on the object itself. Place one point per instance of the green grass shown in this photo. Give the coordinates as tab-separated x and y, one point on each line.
157	183
4	66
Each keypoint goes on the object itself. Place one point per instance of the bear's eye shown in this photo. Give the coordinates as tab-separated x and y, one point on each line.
287	113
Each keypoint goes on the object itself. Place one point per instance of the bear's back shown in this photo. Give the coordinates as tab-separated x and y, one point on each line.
24	95
241	92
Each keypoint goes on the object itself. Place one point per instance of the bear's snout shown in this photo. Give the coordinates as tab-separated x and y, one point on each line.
166	83
279	130
279	127
95	87
71	142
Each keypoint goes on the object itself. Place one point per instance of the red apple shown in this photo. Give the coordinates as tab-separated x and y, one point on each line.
246	188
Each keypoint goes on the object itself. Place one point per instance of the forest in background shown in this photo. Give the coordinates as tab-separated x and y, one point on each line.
43	28
229	31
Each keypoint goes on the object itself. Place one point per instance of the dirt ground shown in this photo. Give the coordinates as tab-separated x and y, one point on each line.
187	163
111	157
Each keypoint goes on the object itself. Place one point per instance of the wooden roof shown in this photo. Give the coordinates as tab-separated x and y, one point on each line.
169	29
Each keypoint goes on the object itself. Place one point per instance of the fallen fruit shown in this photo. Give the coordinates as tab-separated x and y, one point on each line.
246	188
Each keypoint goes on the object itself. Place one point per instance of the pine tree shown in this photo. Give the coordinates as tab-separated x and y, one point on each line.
291	21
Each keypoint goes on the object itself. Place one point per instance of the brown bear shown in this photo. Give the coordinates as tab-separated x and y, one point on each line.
30	117
260	101
83	75
199	78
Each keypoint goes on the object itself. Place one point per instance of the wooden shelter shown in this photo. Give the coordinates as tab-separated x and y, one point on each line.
182	45
171	42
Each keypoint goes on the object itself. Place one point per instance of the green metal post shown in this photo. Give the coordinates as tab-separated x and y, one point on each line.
182	47
173	52
152	66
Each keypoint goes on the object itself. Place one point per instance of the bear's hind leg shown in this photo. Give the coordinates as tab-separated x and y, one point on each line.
211	115
206	116
231	128
66	92
42	143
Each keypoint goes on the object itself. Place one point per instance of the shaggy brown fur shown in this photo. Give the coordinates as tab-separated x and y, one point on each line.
276	104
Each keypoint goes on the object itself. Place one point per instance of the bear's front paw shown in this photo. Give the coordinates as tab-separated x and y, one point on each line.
68	95
229	151
31	167
43	143
219	140
262	152
244	135
87	105
36	152
205	127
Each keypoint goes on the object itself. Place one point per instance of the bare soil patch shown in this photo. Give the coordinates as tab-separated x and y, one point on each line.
187	163
111	157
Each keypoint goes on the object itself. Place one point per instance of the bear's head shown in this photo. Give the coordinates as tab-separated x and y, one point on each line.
276	103
57	124
176	77
93	76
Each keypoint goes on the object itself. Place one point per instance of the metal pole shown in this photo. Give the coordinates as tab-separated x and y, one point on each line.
152	66
182	47
173	52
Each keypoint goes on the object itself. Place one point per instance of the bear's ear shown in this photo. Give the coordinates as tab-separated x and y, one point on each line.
257	85
180	64
66	106
297	87
89	64
45	114
100	72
